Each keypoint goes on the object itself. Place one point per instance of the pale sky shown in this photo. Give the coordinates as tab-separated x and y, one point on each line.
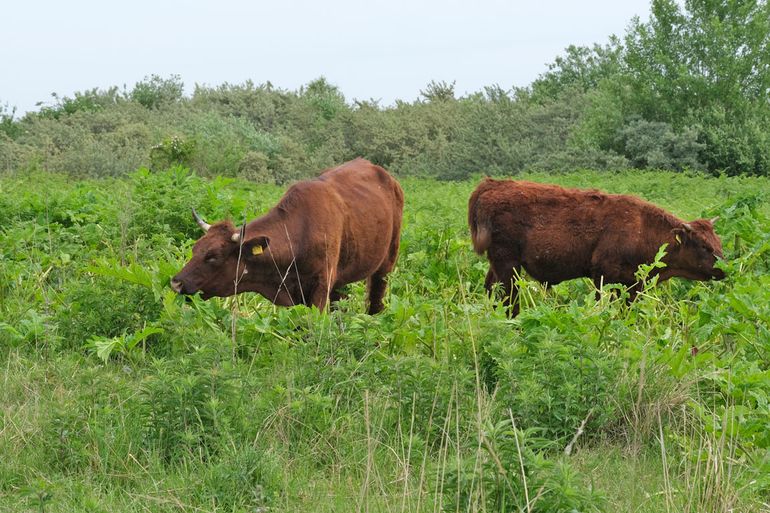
384	50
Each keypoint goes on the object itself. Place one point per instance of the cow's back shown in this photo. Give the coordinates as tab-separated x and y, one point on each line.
370	203
362	185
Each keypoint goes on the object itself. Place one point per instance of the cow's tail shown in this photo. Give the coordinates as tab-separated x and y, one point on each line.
478	221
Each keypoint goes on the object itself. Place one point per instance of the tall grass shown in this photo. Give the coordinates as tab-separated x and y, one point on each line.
117	395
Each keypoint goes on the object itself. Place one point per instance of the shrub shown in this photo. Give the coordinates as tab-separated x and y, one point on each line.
13	156
253	167
655	145
161	203
222	142
8	124
242	478
91	100
739	146
103	307
172	151
556	370
193	409
518	473
325	98
155	91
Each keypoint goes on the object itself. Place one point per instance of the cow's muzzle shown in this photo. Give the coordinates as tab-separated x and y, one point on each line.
177	286
718	274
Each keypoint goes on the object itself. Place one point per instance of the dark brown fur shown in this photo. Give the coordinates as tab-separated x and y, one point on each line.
341	227
558	234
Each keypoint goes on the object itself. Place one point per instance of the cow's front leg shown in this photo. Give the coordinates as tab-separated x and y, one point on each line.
322	290
506	273
338	294
490	280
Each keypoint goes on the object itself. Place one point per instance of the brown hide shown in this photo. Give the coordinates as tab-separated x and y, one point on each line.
558	234
341	227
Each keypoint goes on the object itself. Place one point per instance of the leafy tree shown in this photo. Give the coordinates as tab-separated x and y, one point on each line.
705	63
710	52
580	68
8	125
440	91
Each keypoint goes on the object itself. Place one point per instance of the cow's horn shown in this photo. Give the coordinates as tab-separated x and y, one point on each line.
714	219
203	224
687	226
237	236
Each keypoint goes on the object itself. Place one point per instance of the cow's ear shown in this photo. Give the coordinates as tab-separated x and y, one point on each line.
682	232
255	246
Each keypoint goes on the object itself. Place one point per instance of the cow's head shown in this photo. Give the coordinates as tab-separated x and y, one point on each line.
220	258
699	248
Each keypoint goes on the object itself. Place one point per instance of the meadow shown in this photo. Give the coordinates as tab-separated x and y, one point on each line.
117	395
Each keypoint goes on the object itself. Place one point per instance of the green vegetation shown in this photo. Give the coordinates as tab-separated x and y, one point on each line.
686	90
118	396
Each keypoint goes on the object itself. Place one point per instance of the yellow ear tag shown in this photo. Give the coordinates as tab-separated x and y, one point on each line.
256	250
677	239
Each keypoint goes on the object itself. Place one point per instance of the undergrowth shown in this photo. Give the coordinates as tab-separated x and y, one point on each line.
118	395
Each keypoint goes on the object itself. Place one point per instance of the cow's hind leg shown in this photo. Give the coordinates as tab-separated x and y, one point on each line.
633	290
600	282
376	285
511	290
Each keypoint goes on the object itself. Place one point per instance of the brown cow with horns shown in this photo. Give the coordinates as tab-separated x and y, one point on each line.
558	234
341	227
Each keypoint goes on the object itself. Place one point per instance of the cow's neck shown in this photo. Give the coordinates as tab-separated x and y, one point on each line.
276	277
278	283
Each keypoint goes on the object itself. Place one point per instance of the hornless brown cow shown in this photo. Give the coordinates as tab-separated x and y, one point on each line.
341	227
558	234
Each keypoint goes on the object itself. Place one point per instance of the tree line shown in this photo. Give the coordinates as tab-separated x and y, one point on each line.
687	89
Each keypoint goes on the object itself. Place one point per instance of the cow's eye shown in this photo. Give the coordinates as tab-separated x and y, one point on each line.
210	258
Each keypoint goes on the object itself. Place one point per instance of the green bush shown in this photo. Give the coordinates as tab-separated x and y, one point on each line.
155	91
103	307
242	478
221	143
13	156
654	145
737	146
518	473
161	202
254	166
8	125
557	370
172	151
92	100
194	410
